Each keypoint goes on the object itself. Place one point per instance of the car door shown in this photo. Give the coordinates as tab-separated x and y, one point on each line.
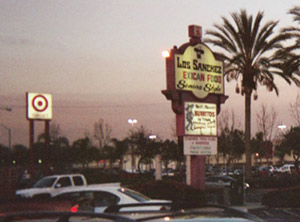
62	184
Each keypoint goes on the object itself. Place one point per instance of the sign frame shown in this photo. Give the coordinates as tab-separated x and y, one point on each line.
200	119
38	106
198	71
200	145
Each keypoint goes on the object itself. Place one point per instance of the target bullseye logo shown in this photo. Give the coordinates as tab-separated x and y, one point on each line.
39	106
40	103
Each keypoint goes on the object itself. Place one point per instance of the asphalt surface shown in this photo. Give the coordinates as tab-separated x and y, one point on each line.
276	215
253	206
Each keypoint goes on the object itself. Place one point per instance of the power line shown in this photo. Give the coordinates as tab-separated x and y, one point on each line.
97	106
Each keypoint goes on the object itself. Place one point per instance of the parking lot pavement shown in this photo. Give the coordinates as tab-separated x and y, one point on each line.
253	206
276	215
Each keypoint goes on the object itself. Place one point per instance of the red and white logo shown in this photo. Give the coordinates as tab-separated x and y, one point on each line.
39	106
40	103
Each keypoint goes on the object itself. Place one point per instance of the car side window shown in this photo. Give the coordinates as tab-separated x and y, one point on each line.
78	181
102	198
71	195
63	182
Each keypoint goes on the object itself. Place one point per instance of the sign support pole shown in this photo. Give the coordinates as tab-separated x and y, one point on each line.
31	142
47	143
38	107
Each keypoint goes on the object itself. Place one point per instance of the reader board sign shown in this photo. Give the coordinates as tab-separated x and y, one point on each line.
198	71
38	106
200	119
200	145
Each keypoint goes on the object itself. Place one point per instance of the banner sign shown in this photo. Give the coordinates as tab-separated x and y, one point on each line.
200	145
39	106
200	119
198	71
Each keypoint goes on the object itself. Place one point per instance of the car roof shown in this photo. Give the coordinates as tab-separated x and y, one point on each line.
92	187
62	175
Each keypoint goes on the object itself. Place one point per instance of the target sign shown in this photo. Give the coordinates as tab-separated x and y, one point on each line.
39	106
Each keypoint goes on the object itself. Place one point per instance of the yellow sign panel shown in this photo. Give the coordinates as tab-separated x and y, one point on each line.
200	119
198	71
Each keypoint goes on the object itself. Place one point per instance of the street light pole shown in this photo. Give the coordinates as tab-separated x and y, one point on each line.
9	134
132	122
8	109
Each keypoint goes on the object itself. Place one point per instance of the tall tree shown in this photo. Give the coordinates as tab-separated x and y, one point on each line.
266	122
21	154
121	147
231	144
248	50
142	146
295	110
102	133
170	152
290	53
81	150
291	143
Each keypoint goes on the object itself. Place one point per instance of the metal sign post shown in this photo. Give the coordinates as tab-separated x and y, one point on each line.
38	107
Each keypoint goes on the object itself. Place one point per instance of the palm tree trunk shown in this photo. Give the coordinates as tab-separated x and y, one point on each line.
248	132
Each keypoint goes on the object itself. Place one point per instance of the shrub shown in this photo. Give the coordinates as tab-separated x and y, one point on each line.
282	198
172	190
277	181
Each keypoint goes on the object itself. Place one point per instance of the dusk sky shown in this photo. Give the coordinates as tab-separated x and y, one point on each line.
102	59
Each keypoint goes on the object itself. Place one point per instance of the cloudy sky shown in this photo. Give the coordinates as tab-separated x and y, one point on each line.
102	59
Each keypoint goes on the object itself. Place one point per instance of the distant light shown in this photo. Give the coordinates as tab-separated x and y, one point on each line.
14	162
152	137
282	127
39	161
132	121
165	54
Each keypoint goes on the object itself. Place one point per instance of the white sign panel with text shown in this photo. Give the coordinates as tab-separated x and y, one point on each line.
200	145
200	119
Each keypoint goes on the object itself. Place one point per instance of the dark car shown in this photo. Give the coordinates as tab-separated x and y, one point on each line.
42	204
226	181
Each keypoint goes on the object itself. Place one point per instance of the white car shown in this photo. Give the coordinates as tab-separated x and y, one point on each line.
51	185
104	195
287	168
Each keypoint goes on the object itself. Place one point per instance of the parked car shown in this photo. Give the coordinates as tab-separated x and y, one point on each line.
287	168
204	213
51	185
226	181
104	195
41	205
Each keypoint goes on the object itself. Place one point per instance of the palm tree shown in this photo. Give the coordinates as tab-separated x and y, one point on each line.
248	49
291	52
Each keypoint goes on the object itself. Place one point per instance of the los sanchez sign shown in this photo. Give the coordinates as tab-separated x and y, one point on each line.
198	71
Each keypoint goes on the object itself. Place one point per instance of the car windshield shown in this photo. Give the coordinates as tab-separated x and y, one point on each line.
135	195
45	182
